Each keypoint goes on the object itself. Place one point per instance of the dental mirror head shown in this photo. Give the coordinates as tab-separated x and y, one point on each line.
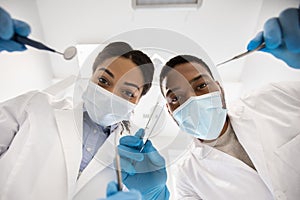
70	53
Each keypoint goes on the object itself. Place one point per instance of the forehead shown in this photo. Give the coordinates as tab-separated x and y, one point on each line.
183	73
123	69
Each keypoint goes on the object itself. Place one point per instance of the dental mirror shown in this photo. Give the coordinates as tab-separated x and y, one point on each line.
68	54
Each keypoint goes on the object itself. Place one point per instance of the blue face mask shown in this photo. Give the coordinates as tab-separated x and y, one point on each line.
104	107
202	116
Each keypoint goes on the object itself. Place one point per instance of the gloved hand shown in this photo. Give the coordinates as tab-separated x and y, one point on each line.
144	171
282	37
9	27
112	193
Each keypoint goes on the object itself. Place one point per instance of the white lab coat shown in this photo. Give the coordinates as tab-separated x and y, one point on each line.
267	124
43	159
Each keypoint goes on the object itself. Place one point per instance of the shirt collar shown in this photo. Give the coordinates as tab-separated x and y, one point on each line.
107	130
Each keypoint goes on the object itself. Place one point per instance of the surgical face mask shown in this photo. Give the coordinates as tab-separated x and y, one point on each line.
104	107
202	116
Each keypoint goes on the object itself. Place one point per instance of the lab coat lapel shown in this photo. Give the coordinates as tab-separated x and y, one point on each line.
248	135
103	158
69	124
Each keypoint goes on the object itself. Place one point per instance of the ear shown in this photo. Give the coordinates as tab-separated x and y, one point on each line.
167	105
217	82
169	111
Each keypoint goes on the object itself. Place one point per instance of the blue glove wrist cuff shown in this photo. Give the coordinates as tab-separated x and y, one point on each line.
157	194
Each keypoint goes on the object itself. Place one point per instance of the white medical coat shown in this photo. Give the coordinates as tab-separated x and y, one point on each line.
267	124
43	159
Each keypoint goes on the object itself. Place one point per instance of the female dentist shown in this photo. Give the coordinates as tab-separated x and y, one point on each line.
50	150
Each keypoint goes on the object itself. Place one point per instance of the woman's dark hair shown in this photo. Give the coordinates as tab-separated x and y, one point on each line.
181	59
146	66
114	49
122	49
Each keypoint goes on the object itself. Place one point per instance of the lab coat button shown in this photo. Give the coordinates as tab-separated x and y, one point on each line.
89	149
279	195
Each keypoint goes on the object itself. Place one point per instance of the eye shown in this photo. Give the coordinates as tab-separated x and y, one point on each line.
201	86
103	82
128	94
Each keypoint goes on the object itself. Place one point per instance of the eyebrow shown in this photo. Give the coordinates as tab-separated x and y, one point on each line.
197	78
108	72
131	84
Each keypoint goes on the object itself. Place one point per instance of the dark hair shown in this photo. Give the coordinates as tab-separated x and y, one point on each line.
146	66
114	49
122	49
177	60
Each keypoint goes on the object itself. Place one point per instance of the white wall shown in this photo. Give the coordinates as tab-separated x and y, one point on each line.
21	72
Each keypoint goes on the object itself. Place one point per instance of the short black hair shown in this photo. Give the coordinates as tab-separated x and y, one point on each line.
124	50
177	60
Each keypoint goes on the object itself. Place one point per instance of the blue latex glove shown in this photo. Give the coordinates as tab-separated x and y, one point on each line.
9	27
112	193
144	171
282	37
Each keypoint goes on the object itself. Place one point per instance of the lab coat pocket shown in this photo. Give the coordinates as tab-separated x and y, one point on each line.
290	152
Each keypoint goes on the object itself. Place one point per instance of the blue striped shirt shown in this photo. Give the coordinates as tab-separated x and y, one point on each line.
93	138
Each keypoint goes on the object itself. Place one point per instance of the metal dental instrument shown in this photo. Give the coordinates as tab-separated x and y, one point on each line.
263	45
118	162
118	170
156	112
68	54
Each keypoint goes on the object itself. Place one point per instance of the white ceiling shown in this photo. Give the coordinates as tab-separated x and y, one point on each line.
222	29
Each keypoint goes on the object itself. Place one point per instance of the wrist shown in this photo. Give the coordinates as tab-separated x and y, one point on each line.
157	193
